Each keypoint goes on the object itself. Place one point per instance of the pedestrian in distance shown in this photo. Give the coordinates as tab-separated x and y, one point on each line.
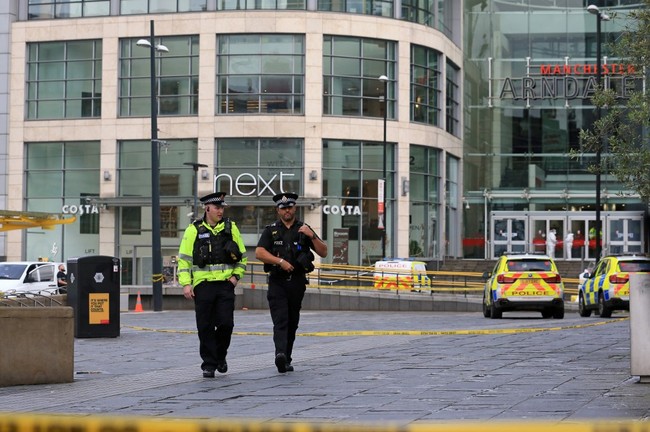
62	280
285	247
211	260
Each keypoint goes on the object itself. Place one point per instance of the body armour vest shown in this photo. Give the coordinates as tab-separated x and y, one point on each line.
291	246
215	249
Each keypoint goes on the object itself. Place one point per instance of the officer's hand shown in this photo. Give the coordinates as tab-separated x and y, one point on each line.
286	266
306	230
233	280
187	292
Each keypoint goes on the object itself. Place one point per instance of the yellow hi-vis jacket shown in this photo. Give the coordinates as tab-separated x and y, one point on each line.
190	274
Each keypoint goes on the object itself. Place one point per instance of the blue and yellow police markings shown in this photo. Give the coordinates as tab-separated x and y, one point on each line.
11	422
488	331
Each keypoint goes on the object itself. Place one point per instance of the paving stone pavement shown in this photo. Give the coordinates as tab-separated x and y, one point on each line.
398	367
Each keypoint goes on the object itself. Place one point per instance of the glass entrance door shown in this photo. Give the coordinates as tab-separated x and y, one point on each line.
509	235
577	248
565	235
548	236
624	236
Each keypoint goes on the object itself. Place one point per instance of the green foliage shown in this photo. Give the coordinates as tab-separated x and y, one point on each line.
623	130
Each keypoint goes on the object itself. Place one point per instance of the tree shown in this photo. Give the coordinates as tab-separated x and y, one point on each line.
622	130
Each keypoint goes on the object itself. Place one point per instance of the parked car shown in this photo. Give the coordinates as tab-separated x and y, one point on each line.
28	277
607	288
523	282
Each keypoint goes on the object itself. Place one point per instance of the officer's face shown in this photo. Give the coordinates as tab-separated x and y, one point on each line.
287	214
213	212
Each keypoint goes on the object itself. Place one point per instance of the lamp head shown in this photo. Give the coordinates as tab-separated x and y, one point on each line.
383	78
143	43
594	10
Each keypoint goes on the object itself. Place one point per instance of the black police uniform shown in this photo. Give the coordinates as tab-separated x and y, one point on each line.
286	290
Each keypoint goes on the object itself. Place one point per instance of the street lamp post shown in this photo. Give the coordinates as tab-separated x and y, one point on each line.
156	252
384	79
593	9
195	186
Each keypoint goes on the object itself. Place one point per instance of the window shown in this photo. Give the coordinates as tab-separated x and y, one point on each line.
63	177
64	79
48	9
425	85
351	71
176	180
453	99
260	74
130	7
419	11
177	77
131	220
252	168
438	14
351	170
424	201
261	4
366	7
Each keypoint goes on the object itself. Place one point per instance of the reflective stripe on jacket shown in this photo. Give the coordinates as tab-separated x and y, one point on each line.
189	274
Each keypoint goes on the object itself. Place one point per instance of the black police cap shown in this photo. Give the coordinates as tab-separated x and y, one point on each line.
216	198
285	199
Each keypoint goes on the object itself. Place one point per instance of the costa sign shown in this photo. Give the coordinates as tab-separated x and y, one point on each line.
342	210
80	209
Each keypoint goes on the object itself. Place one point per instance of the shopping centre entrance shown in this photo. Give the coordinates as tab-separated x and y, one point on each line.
564	235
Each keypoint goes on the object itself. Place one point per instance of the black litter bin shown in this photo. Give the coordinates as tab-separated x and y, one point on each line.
94	294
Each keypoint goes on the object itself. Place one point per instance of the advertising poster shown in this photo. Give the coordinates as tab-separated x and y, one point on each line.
98	308
340	246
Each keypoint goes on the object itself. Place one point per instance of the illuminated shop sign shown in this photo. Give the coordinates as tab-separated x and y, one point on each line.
80	209
342	210
247	184
567	81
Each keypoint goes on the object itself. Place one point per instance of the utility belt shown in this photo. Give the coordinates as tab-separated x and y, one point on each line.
213	267
282	276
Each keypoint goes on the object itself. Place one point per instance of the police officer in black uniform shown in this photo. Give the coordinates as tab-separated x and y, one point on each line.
210	263
285	249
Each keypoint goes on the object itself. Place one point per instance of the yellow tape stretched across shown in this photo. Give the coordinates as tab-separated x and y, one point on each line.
67	423
407	332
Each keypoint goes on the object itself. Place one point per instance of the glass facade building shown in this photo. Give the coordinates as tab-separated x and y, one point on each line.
471	131
530	73
265	110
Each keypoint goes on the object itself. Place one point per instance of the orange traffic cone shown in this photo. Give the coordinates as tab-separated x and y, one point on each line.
138	304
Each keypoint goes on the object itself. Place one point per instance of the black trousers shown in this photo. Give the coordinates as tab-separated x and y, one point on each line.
214	306
285	300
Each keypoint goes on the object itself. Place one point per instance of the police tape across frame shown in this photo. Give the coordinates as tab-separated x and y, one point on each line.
406	332
11	422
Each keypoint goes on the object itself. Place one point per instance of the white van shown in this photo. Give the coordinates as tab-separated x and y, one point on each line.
28	277
401	275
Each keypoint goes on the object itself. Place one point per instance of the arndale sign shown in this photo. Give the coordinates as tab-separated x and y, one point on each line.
547	81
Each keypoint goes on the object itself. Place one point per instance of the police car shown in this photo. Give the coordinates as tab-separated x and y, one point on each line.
523	282
607	288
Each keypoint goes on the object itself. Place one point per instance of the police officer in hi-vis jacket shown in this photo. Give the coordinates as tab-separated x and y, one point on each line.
211	260
285	249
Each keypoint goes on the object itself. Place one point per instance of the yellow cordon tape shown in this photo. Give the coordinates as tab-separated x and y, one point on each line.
407	332
66	423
